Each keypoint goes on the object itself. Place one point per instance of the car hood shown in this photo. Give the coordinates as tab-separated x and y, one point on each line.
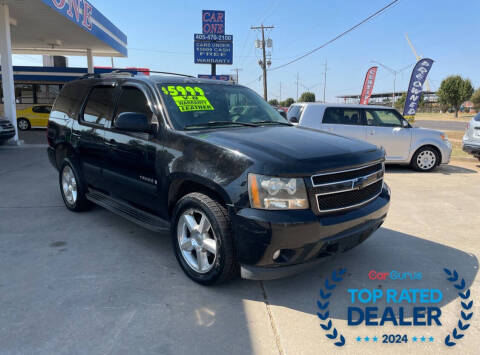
426	132
289	149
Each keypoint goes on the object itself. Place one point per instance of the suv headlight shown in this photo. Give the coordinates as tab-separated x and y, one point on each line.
274	193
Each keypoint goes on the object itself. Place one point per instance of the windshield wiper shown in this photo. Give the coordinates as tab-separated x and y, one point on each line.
219	123
259	123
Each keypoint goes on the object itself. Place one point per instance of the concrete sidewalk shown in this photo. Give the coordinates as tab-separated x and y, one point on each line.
93	283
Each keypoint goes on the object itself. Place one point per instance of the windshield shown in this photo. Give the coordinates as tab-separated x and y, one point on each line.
197	106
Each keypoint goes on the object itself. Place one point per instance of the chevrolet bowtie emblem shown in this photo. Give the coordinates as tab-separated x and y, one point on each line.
358	183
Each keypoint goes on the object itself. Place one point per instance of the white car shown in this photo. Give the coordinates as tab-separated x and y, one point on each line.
424	149
471	139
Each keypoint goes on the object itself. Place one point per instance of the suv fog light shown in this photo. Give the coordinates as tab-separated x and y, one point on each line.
283	255
276	254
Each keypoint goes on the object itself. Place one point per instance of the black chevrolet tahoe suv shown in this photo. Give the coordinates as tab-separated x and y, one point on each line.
242	191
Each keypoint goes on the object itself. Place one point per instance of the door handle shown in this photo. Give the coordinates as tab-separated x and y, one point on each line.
111	142
372	132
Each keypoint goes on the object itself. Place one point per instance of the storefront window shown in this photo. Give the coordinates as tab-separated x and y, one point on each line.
24	93
46	94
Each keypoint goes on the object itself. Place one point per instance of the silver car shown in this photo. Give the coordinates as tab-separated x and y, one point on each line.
471	139
424	149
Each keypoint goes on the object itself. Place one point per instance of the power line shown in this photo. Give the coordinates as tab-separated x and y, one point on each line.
254	80
339	36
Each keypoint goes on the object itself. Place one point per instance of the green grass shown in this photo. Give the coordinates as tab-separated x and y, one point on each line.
464	117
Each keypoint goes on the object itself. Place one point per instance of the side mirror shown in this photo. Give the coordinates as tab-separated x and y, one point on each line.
133	122
405	124
293	119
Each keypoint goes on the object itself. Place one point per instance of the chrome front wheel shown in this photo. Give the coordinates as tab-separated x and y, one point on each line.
197	240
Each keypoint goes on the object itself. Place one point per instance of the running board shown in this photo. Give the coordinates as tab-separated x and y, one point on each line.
124	209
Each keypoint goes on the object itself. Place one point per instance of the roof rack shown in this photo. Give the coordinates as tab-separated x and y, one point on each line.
118	72
123	72
89	75
166	73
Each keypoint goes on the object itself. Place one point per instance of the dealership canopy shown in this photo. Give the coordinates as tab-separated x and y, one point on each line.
53	27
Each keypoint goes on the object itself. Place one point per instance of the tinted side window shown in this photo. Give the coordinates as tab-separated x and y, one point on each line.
383	118
41	109
99	107
68	101
346	116
133	100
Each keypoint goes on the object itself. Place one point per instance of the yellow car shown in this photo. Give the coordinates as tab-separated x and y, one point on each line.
33	117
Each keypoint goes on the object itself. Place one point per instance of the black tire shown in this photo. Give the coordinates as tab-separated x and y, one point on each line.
432	159
23	124
224	266
80	203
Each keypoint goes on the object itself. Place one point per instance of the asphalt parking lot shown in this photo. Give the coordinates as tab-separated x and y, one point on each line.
94	283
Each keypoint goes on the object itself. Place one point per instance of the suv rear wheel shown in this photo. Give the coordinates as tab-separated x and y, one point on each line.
425	159
202	239
72	188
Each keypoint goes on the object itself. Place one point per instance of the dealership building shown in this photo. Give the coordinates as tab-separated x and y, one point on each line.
52	28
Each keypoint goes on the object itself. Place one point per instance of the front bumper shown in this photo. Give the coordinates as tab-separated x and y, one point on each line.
446	151
5	135
471	148
304	239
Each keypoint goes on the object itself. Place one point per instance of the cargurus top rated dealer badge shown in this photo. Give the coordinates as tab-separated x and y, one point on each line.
397	311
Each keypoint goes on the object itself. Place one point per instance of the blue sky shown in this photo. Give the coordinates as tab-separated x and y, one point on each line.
160	37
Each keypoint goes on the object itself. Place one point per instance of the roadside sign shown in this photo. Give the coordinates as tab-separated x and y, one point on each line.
213	46
213	21
216	77
213	51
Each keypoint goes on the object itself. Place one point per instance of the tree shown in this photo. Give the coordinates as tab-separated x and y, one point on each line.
476	99
273	102
287	102
307	97
400	103
453	91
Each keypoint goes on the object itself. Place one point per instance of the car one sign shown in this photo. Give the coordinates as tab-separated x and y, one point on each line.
79	11
213	22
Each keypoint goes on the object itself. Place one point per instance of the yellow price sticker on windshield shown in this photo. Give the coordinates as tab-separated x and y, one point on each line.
188	98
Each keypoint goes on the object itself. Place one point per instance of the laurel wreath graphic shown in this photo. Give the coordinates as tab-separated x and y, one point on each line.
323	304
462	326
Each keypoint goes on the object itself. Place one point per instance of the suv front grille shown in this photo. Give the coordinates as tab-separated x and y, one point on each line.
346	174
348	188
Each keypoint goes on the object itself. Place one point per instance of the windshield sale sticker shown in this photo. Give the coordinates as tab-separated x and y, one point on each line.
188	98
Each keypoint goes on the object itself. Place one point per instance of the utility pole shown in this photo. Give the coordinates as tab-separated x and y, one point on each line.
263	63
236	70
394	73
325	81
280	93
297	86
